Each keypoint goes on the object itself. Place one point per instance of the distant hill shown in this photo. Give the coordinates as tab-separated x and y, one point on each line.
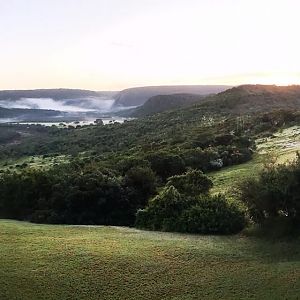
56	94
161	103
255	98
27	114
138	96
243	99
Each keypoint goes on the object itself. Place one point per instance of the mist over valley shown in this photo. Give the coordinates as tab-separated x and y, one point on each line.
59	105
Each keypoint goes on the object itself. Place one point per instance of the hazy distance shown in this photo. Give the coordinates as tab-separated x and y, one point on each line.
116	44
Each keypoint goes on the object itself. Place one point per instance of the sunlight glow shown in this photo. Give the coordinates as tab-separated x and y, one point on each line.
99	44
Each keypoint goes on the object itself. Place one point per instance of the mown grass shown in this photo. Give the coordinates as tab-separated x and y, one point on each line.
73	262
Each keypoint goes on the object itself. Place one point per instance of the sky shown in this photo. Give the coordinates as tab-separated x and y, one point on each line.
116	44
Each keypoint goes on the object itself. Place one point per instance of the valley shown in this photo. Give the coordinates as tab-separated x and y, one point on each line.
150	206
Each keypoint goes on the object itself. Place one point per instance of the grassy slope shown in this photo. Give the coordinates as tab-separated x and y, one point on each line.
69	262
35	162
282	147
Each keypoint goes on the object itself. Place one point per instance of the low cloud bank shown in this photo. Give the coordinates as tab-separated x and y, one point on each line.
101	104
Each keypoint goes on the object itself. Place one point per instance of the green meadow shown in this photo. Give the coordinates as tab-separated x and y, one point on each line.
86	262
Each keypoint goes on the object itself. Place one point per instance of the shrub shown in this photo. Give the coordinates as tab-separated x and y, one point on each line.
192	183
140	184
184	205
162	210
199	159
165	164
127	163
275	194
207	214
213	214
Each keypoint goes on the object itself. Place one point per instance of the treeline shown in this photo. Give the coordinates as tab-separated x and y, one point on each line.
180	129
76	193
88	193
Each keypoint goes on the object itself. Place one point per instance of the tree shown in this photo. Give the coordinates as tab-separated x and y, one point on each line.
165	164
192	183
140	183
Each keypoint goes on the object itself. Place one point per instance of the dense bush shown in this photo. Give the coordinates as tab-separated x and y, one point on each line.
165	164
198	158
190	208
163	211
139	184
125	164
213	214
192	183
275	194
75	194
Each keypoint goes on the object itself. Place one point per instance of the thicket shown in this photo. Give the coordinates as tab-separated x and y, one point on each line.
274	196
88	193
185	205
76	194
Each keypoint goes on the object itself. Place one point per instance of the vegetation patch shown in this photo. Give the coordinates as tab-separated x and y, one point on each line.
280	147
274	195
185	205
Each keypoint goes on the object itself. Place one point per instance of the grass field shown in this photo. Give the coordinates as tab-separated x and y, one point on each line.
73	262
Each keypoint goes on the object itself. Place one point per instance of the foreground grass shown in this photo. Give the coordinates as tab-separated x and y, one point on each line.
69	262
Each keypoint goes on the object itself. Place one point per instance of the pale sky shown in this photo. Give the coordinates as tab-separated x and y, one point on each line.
115	44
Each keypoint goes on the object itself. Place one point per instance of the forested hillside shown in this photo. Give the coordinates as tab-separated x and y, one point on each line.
256	98
163	103
163	157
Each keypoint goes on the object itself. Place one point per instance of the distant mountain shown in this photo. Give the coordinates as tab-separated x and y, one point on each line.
138	96
163	103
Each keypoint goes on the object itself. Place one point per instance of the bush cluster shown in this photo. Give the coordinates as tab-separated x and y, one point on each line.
76	194
185	205
275	194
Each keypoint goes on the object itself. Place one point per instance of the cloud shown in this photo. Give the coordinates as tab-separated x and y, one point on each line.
101	104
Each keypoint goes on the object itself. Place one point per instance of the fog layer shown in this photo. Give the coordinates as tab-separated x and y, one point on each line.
101	104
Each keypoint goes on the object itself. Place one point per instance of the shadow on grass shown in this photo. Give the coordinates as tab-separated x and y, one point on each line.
279	240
